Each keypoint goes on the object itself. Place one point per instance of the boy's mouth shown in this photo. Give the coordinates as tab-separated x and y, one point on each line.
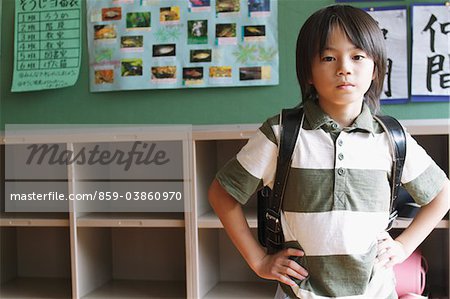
345	85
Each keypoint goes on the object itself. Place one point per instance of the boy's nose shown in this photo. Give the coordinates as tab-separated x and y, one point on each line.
344	69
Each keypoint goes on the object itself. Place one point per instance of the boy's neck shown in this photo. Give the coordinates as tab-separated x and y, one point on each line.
344	115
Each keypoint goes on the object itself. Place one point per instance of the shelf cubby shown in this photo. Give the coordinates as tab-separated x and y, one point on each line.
223	273
130	263
35	262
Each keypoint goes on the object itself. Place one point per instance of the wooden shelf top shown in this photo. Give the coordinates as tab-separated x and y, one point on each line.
23	288
116	133
131	220
210	220
220	132
244	289
34	219
139	289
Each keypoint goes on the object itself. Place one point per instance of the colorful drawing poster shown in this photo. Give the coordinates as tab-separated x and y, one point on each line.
47	44
430	53
392	22
152	44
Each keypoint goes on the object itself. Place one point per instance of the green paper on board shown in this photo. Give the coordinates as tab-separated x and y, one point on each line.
47	44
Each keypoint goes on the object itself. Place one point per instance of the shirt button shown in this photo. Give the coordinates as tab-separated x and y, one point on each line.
341	171
340	142
334	125
341	156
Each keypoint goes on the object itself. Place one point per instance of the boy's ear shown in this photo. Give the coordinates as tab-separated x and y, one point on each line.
374	74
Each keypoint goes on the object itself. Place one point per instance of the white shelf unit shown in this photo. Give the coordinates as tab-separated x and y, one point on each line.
127	254
222	272
109	254
35	259
186	254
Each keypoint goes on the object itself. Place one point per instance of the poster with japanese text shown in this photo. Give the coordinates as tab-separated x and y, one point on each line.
392	22
153	44
430	53
47	44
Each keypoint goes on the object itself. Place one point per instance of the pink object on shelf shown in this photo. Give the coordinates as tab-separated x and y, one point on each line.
412	296
410	276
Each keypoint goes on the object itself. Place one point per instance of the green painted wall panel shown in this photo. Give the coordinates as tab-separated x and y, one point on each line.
185	106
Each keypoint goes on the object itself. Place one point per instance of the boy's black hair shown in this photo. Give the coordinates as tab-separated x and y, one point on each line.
361	29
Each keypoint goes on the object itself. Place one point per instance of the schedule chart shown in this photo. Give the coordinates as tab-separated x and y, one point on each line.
47	44
48	40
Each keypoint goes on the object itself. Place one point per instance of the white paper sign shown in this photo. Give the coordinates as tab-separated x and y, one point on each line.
393	24
431	50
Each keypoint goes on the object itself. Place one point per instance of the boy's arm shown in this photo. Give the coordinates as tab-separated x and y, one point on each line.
275	267
396	251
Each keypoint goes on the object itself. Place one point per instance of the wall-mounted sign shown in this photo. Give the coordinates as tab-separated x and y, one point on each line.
430	53
47	44
392	22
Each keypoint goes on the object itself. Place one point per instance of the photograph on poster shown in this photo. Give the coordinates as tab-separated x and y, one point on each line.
164	50
104	76
227	6
131	67
102	32
138	20
111	14
254	33
193	75
164	74
132	43
203	55
199	5
197	32
169	15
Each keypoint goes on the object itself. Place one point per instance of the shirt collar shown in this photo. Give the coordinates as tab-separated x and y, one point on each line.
317	118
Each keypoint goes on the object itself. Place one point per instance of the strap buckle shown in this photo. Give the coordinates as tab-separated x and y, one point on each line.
392	218
273	221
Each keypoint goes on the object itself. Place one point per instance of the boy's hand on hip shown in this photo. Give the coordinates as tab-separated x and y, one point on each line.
279	267
390	252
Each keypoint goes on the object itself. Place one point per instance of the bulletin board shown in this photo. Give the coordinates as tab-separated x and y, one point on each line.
181	44
76	104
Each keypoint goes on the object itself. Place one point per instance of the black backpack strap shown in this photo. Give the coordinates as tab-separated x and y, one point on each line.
397	140
290	124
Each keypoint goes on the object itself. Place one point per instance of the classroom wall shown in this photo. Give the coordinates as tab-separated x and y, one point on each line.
76	104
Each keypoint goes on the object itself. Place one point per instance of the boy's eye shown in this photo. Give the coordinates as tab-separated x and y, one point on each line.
327	58
358	57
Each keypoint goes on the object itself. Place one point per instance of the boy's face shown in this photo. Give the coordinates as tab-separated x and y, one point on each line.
342	74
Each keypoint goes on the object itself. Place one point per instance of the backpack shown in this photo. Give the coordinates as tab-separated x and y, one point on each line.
270	233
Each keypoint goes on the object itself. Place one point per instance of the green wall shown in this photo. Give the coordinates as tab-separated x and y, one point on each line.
184	106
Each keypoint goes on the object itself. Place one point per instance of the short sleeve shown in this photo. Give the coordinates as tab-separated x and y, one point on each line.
422	177
254	165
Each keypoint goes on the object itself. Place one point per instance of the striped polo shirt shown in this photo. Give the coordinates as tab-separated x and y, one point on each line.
337	197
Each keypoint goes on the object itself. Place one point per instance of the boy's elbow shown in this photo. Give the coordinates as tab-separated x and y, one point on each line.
218	196
213	192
